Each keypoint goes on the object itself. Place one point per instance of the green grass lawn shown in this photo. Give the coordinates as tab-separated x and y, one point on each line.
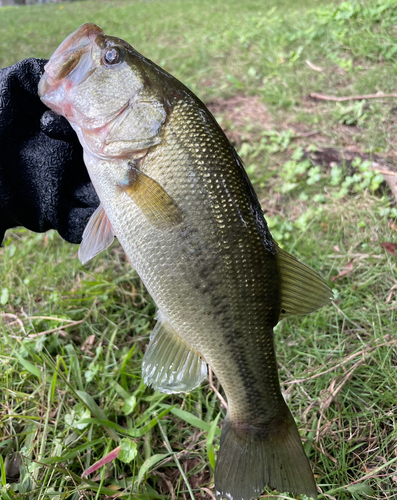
73	337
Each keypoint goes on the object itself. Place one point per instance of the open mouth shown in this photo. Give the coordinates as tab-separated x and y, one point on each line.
73	52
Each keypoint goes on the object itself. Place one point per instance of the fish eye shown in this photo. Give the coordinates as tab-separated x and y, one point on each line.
112	56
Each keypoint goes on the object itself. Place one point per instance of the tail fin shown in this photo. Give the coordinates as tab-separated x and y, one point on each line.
249	459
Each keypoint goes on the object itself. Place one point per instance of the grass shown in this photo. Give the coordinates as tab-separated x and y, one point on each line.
73	337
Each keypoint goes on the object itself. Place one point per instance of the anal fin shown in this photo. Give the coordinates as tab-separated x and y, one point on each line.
302	289
170	364
98	235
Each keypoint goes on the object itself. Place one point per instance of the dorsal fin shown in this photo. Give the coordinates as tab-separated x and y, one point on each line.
302	289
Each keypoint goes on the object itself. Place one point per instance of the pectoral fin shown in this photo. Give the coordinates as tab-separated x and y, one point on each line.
155	203
302	289
169	364
98	235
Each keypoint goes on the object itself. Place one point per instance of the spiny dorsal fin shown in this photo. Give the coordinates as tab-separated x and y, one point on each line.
98	235
155	203
170	364
302	289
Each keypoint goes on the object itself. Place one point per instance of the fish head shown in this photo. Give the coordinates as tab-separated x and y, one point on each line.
110	94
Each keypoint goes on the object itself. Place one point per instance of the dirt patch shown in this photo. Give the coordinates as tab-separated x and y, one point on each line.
244	118
327	157
241	116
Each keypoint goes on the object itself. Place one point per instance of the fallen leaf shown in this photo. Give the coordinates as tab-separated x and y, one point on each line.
346	270
88	343
389	247
393	225
104	460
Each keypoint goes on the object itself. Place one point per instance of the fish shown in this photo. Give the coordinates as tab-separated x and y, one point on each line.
175	193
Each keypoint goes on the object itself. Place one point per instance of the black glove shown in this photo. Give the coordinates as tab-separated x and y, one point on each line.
44	183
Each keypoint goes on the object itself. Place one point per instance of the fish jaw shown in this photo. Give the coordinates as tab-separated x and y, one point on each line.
69	66
65	58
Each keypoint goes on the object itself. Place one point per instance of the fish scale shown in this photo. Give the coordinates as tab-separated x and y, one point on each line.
230	227
175	193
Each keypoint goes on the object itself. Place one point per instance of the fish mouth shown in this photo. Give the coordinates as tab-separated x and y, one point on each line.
73	51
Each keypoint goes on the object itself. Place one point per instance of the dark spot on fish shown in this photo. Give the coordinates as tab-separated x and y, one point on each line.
187	232
205	272
220	308
220	311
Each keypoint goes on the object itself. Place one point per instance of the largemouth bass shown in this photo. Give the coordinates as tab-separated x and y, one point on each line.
175	193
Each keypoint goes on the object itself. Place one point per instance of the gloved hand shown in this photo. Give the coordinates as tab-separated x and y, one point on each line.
44	183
